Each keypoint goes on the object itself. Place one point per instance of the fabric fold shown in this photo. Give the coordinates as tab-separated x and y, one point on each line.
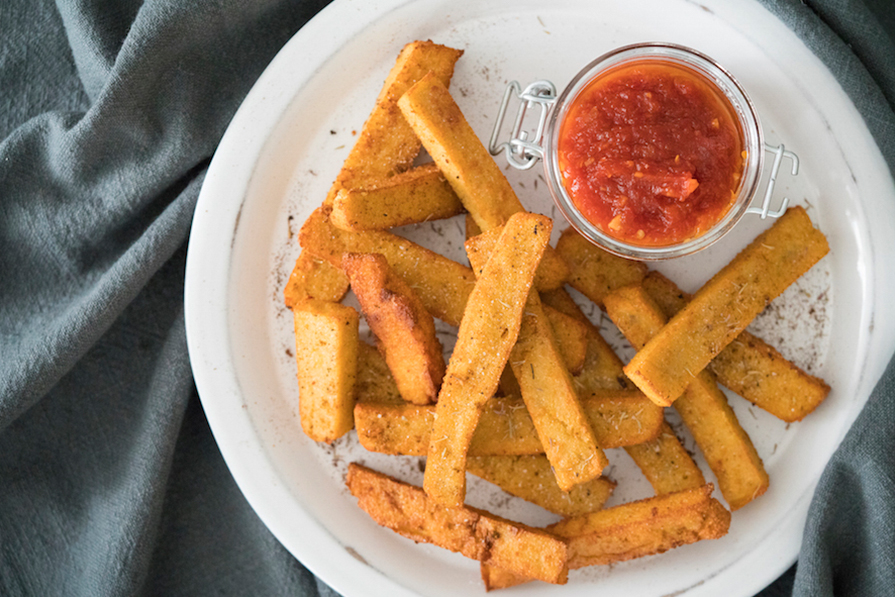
110	479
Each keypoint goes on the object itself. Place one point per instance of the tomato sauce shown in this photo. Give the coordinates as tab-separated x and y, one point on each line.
651	154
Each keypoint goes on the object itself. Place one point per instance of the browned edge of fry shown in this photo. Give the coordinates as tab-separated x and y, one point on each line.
474	533
404	329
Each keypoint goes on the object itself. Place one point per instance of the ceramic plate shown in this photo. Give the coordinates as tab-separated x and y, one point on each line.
282	152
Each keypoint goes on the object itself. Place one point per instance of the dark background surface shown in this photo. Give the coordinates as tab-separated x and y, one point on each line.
110	480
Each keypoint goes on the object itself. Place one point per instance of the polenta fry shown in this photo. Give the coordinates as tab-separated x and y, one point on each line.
618	417
387	145
665	463
326	343
488	330
633	530
725	305
468	167
703	407
749	366
550	397
404	330
645	527
418	195
476	534
441	126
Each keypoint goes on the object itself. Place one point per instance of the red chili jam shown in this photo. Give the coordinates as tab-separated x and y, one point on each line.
651	154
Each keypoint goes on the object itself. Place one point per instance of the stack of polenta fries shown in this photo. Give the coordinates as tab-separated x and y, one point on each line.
531	394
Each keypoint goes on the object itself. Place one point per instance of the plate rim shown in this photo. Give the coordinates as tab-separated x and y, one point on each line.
318	30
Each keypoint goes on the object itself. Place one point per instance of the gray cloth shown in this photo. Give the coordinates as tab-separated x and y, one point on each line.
848	546
110	480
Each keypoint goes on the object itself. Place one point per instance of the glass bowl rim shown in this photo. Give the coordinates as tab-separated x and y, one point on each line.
708	69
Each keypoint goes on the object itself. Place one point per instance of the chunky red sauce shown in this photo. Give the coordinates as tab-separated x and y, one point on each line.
651	154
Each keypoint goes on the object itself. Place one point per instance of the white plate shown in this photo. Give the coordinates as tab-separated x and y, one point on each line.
284	148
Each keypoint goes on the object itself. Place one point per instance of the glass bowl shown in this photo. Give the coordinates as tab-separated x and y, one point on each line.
523	149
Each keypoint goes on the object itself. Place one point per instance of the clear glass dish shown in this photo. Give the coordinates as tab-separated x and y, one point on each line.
524	149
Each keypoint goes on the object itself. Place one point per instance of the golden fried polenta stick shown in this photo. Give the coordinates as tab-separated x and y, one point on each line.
469	168
645	527
727	448
703	407
443	285
504	429
326	341
665	463
662	459
592	271
633	530
749	366
550	397
418	195
601	369
387	145
551	274
531	478
314	278
618	418
549	394
404	330
725	305
409	511
487	333
571	338
374	382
